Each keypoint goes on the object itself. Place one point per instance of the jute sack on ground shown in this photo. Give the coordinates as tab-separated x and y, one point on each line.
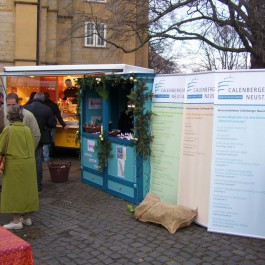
172	217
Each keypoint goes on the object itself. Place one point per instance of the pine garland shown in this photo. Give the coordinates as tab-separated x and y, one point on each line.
104	152
138	96
142	134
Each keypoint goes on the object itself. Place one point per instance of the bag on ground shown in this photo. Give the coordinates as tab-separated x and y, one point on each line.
172	217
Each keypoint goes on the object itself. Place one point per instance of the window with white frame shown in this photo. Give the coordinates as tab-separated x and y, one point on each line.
93	33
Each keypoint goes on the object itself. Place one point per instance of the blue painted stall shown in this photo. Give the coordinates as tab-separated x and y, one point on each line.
127	174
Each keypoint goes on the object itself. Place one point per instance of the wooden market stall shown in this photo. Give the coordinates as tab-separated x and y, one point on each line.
115	119
24	80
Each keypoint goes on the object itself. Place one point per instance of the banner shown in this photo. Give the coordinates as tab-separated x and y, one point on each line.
166	127
238	167
196	146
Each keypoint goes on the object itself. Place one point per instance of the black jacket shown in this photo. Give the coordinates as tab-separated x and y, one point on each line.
43	115
55	110
71	92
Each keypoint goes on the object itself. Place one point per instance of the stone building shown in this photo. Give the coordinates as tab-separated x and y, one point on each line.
49	32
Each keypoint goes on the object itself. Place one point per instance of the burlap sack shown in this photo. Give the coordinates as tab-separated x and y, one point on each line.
172	217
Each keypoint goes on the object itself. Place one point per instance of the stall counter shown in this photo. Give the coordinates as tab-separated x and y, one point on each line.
66	137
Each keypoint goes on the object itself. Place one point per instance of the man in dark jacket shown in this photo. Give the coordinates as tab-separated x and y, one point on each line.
46	122
56	112
54	108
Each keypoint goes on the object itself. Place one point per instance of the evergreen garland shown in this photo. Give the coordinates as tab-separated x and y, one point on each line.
103	84
104	152
142	135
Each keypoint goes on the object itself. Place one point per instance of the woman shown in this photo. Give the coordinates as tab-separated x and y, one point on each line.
19	182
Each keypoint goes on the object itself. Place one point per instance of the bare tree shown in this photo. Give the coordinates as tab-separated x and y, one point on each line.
130	27
213	59
162	58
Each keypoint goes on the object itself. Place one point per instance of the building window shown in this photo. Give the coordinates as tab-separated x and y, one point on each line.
92	38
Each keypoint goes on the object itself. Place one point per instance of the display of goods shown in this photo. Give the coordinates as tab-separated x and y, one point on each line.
92	128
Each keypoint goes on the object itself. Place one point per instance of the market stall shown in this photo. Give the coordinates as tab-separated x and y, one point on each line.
54	79
115	116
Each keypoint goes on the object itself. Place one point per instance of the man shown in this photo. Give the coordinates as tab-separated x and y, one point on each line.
56	112
28	117
46	122
71	92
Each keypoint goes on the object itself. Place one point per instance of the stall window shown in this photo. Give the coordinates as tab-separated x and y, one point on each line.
92	115
93	33
120	116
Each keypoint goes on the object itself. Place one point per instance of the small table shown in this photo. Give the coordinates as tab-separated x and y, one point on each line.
14	250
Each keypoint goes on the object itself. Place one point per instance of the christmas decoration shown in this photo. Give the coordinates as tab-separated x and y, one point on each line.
103	147
139	95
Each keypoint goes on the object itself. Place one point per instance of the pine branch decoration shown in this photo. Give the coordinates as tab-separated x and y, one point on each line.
138	96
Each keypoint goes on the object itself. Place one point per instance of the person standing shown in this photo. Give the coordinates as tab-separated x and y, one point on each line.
31	96
71	92
12	99
57	114
46	122
19	182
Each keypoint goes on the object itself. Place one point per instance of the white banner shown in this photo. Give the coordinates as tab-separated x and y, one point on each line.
200	88
169	88
196	146
166	127
238	166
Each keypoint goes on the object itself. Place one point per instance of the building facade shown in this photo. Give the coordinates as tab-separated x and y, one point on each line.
50	32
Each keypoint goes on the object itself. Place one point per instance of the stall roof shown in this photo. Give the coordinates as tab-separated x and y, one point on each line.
74	69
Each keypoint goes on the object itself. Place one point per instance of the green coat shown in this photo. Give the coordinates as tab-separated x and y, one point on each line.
19	181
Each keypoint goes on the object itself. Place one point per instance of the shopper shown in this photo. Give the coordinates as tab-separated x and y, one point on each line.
46	122
31	96
19	183
12	99
47	148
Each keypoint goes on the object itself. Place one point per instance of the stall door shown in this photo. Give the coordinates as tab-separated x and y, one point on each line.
89	162
122	173
122	178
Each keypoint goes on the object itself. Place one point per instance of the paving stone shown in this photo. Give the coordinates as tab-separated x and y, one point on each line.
79	224
108	261
247	262
171	262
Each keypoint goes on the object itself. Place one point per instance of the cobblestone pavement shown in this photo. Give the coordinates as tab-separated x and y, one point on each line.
78	224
